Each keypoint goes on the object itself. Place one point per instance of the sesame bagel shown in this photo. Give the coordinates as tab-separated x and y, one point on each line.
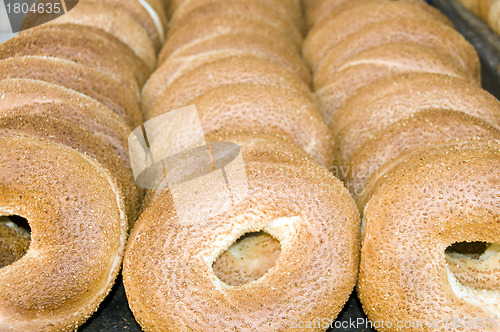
115	21
382	62
50	99
288	9
343	23
229	70
420	129
318	11
148	13
78	235
217	25
297	203
23	122
249	8
441	196
82	44
268	109
422	31
207	50
77	77
386	101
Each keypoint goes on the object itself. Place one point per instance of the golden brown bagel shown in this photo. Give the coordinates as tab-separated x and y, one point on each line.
50	99
422	31
250	8
319	11
150	14
288	9
420	129
194	55
230	70
115	21
389	100
325	237
21	121
340	25
494	17
215	25
268	109
381	62
77	77
89	46
429	201
78	235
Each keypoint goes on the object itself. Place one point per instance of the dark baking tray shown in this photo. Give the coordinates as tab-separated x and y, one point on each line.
114	314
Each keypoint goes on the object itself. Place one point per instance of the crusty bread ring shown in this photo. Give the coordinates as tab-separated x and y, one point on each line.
50	99
250	8
279	51
217	25
82	44
338	26
148	13
422	31
288	9
434	198
290	198
431	126
389	100
318	11
22	121
382	62
268	109
234	69
115	21
77	77
78	234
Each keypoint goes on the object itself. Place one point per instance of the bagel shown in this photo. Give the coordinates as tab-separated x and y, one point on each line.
78	235
38	97
217	25
23	122
440	196
494	17
288	9
402	137
381	62
268	109
386	101
148	13
311	279
206	50
82	44
77	77
249	8
339	26
229	70
318	11
421	31
115	21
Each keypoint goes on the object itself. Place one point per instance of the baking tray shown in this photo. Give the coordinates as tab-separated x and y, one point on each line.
114	314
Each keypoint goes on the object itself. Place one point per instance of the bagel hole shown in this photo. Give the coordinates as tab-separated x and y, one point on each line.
15	239
471	250
473	265
247	259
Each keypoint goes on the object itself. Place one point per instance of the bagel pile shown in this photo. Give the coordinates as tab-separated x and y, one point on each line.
70	93
284	256
418	147
487	10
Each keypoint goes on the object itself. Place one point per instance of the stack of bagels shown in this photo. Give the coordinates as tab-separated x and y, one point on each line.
417	144
285	255
70	92
487	10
